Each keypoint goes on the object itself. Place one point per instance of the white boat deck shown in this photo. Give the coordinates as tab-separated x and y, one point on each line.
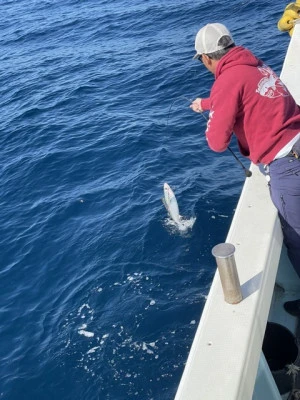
226	351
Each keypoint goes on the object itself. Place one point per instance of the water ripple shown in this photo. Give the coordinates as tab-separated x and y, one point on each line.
99	298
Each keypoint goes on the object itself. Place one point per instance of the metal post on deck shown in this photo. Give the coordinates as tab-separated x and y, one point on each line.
224	255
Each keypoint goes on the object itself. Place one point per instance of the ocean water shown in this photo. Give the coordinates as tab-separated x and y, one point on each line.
100	296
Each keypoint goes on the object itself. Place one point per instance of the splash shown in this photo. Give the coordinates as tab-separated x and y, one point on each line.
183	225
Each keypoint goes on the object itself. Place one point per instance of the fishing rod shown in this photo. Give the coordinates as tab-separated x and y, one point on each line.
247	172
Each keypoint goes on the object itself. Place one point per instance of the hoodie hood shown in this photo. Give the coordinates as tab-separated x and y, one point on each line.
237	56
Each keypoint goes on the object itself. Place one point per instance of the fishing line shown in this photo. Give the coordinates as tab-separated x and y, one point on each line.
174	101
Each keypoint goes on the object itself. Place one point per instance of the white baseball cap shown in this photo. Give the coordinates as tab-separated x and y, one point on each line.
208	37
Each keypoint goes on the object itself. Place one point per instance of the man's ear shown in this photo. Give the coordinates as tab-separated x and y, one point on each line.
207	59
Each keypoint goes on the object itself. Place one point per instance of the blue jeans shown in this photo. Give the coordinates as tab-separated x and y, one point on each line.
285	194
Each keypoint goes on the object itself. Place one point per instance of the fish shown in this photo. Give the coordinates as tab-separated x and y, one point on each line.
171	204
172	208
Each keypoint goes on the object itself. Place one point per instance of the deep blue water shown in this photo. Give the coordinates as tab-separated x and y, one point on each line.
99	297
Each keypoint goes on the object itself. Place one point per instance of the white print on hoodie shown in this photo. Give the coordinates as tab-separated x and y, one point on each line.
270	86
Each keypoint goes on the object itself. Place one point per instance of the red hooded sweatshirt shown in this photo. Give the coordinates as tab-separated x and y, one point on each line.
247	98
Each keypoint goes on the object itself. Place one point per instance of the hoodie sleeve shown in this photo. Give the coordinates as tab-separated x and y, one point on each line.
224	101
205	104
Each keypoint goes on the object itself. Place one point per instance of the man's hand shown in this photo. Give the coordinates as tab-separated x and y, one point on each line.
196	105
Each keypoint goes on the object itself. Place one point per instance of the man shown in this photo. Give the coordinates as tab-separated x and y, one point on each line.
247	98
